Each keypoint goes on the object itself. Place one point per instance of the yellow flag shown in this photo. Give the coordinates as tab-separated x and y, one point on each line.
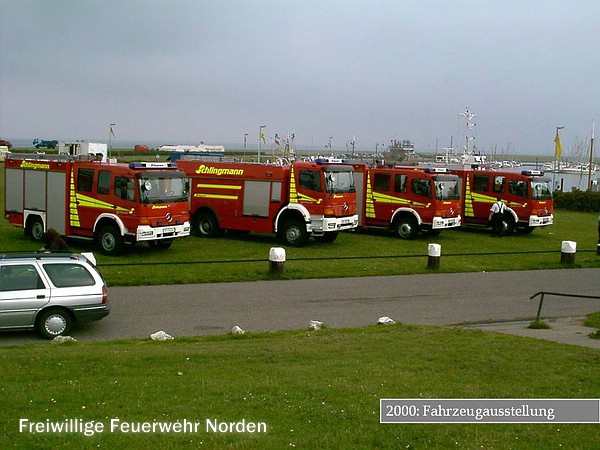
557	146
262	136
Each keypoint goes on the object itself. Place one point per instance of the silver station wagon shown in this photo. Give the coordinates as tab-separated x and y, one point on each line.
50	292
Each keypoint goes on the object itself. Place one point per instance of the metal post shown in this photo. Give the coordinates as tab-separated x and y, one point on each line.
260	138
537	319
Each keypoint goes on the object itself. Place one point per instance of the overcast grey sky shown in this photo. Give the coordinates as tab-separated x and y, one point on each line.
189	71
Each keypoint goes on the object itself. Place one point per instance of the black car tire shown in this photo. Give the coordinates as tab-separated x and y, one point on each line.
54	322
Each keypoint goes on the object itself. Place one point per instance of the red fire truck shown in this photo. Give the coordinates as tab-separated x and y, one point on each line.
113	204
527	195
408	199
295	200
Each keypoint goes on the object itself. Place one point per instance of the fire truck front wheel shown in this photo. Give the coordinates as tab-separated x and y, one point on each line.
293	233
508	225
406	227
110	241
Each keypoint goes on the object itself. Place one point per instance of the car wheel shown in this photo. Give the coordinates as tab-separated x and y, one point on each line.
54	322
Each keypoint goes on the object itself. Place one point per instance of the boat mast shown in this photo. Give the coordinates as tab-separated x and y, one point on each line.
469	117
591	159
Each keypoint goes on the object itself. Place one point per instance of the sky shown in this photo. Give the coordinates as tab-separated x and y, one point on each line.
190	71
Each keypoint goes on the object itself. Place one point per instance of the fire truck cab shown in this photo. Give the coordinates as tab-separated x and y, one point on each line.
295	201
526	194
110	203
408	200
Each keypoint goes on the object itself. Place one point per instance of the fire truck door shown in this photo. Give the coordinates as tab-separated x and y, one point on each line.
382	186
480	197
84	213
360	194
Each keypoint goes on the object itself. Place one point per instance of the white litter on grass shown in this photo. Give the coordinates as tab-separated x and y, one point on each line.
161	336
237	330
315	325
63	339
385	320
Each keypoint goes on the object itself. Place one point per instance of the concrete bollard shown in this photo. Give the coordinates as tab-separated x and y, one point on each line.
434	251
567	253
276	260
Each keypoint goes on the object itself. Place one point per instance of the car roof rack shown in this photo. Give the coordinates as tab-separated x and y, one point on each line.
38	255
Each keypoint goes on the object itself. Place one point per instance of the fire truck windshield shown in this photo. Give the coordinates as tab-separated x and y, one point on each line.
540	189
339	180
163	187
446	188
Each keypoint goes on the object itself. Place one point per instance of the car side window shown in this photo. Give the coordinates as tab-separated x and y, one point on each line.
69	275
20	277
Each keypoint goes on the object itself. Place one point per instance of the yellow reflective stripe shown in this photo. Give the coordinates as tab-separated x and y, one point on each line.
306	198
384	198
369	208
90	202
73	213
218	186
293	192
223	197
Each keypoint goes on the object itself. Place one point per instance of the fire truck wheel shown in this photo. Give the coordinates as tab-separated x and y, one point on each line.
110	240
205	225
405	227
508	225
293	233
54	322
36	228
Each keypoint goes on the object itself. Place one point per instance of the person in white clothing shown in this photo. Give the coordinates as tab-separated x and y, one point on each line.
497	217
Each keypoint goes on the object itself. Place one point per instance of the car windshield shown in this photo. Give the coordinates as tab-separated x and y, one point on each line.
339	180
540	189
446	188
163	187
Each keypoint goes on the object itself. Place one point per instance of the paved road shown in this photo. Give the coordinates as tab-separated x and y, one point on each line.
436	299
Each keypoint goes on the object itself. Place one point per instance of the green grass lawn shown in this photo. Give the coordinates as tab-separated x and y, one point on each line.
312	389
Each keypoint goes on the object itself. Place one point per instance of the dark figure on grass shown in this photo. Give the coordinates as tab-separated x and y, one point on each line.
54	243
497	217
